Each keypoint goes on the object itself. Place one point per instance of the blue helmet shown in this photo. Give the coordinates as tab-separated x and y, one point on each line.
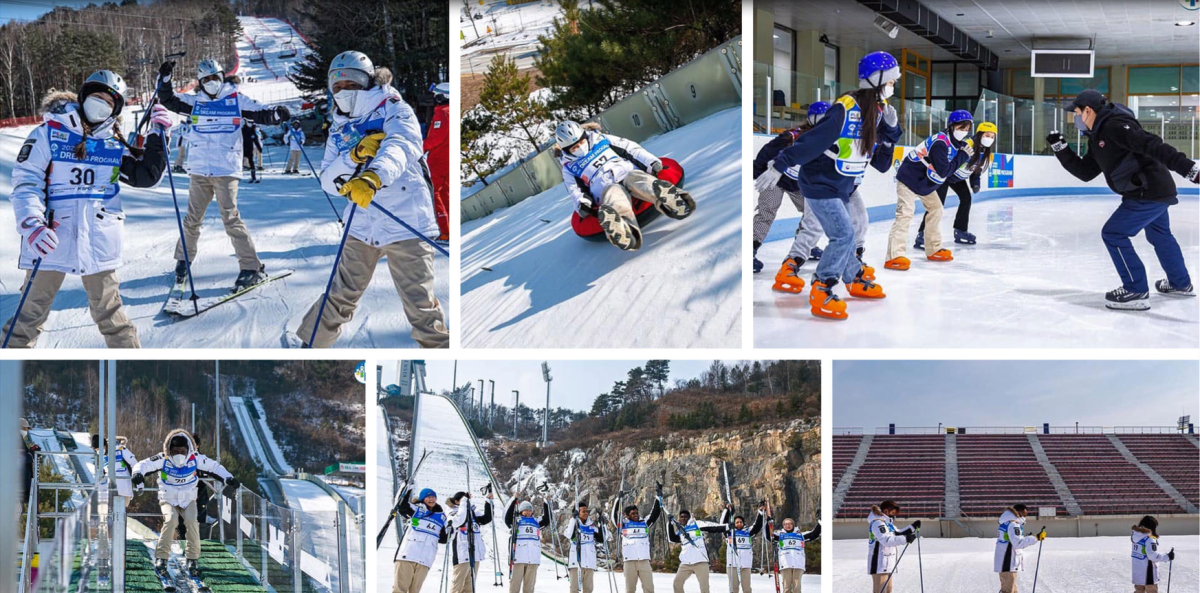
959	116
877	69
816	111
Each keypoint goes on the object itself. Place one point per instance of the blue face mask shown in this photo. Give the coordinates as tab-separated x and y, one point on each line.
1082	127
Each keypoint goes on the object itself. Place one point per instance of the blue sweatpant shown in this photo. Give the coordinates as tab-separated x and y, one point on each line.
1131	218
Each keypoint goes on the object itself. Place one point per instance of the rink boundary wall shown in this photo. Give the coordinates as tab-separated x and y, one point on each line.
1083	526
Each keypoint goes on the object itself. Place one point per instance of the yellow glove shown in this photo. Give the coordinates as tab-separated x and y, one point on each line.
1041	536
361	190
367	147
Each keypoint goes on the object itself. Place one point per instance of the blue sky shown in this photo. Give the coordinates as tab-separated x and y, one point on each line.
868	394
32	9
576	382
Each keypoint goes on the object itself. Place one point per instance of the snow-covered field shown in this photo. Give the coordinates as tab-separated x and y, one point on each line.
545	287
514	32
1037	276
292	225
1069	565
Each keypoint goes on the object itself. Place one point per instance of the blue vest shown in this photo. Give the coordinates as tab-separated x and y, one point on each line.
634	530
92	178
587	535
848	160
922	150
180	475
741	539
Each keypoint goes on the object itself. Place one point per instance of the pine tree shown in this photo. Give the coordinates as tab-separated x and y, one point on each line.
517	114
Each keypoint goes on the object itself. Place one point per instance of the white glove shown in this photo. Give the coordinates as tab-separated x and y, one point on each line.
768	179
584	207
967	149
1194	174
656	168
42	239
889	116
160	116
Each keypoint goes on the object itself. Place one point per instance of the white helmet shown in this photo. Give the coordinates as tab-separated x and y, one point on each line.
209	67
105	81
567	133
351	65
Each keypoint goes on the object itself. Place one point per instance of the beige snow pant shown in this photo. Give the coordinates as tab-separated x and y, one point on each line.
409	577
1145	589
739	576
789	579
104	303
877	581
700	569
1008	580
636	570
573	576
173	515
461	582
411	265
905	207
639	184
293	162
181	155
201	193
524	577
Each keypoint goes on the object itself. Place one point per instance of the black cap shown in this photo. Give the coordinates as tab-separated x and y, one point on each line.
1088	98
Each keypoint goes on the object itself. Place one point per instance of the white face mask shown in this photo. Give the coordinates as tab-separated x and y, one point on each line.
987	141
887	91
960	134
179	460
346	99
96	109
212	87
579	149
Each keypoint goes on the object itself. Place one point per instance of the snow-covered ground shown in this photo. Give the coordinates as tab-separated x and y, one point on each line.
545	287
1036	277
274	38
293	227
245	426
514	31
271	445
1068	565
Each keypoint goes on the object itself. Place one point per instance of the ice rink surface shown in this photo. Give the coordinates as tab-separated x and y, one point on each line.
1069	565
1036	278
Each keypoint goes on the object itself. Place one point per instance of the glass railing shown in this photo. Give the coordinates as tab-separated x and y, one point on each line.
789	94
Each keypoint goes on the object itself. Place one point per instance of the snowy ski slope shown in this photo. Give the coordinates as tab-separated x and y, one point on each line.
515	30
548	288
292	225
1069	565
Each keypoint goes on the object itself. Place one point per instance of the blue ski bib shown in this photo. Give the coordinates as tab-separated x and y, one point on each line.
220	116
92	178
528	529
428	522
586	166
346	136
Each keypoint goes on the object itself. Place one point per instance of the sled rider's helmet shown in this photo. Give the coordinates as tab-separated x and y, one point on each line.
108	84
816	112
209	68
354	66
441	92
569	136
876	69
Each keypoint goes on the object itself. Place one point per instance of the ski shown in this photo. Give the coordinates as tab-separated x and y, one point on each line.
774	548
470	528
578	537
183	308
164	579
198	585
396	501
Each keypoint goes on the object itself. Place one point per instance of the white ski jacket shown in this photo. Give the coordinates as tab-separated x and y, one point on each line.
635	535
81	196
125	462
609	161
792	545
882	541
1010	540
177	484
214	139
739	546
458	526
1145	556
695	551
407	191
425	530
586	538
295	139
526	533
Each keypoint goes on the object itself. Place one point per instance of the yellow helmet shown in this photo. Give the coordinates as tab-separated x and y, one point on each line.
986	126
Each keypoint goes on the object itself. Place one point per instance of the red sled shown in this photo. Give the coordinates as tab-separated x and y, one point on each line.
589	228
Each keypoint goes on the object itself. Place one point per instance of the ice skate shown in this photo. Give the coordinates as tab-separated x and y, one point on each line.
897	263
1124	300
1164	286
865	289
787	279
963	237
940	255
824	303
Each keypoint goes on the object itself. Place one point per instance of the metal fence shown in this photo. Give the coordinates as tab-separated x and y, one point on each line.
698	89
973	430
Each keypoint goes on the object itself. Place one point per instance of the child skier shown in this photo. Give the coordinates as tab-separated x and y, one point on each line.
177	468
965	181
581	554
791	557
693	558
218	112
465	521
739	547
603	173
251	147
374	153
1010	540
295	140
828	164
125	461
635	542
525	544
66	198
1146	555
418	548
882	541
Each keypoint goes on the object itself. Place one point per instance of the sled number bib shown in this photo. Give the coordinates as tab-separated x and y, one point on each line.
92	178
178	475
222	116
593	162
528	529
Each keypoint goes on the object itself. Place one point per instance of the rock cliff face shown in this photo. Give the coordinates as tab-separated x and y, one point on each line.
777	462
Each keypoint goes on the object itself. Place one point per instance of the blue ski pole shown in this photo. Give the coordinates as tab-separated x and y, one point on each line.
318	178
187	260
419	235
37	263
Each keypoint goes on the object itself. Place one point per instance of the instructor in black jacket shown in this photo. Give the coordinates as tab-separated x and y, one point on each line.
1137	165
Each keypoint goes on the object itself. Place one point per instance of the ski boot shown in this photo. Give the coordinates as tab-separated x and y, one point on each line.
160	566
865	289
941	255
1124	300
622	232
177	169
758	265
788	279
867	271
248	278
181	271
897	263
672	201
816	253
824	303
964	237
1164	286
919	243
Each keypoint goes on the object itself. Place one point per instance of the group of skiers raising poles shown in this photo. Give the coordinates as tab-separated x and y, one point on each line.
458	526
887	544
69	172
820	165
